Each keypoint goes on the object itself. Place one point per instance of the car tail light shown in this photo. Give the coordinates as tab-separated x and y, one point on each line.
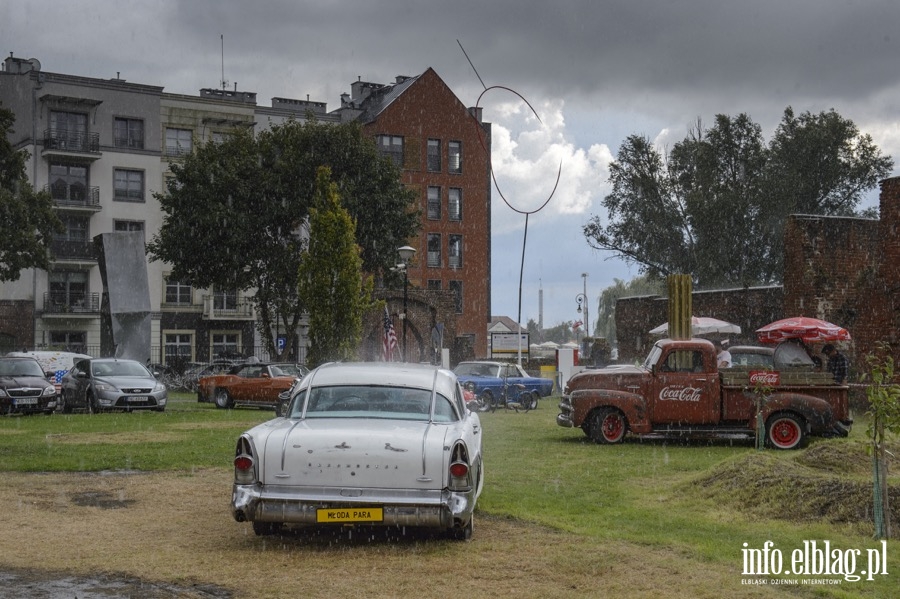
459	470
243	462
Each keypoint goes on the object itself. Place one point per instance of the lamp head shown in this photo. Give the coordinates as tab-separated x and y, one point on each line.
406	253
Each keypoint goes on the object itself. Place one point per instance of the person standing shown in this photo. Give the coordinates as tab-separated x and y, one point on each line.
838	364
724	356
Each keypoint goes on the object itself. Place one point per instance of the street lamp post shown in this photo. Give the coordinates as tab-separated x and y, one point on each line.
587	319
581	299
406	254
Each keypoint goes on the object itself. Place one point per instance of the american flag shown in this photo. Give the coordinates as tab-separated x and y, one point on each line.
389	343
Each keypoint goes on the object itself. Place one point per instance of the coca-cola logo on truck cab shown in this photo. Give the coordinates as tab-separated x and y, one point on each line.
679	394
766	378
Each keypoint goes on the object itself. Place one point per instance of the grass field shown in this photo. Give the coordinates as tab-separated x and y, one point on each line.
661	518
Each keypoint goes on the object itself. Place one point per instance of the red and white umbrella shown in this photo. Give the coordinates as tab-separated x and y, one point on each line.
810	330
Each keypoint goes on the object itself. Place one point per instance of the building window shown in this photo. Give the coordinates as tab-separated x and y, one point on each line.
68	289
455	250
68	182
128	133
128	185
454	149
71	341
434	203
179	141
454	204
178	293
434	250
391	146
68	131
225	345
434	284
218	137
76	229
457	288
225	300
178	347
128	225
434	156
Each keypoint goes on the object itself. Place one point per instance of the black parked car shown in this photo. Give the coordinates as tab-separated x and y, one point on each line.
24	388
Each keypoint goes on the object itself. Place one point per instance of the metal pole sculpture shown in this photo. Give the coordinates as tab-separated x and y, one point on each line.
527	213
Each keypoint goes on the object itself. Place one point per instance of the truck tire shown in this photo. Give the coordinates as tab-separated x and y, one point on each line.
607	426
785	431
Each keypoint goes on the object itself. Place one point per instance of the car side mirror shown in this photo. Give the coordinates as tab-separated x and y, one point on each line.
264	375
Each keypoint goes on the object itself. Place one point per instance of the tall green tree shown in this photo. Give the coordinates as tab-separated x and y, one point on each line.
716	205
27	218
235	213
331	282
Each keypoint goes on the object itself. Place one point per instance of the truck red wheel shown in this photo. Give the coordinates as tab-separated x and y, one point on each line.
785	431
607	426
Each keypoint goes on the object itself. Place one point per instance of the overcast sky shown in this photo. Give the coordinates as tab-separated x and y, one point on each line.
595	71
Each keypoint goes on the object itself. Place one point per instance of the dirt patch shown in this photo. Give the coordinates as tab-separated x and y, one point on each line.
129	438
171	534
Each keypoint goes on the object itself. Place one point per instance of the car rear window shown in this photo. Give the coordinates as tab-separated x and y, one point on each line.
357	401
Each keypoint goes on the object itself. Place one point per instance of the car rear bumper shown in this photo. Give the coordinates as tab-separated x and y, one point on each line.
293	505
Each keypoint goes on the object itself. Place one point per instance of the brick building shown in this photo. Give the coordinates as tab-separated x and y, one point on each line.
844	270
104	147
443	149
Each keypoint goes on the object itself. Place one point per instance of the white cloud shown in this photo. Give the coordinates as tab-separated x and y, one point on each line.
528	160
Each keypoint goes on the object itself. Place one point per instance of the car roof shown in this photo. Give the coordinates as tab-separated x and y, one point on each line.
751	349
393	374
104	360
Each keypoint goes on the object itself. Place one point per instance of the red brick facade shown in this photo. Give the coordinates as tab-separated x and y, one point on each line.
428	109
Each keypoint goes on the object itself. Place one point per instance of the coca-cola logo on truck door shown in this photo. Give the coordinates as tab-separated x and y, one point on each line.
679	394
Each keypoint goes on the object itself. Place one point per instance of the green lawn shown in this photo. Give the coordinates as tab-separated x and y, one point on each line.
644	492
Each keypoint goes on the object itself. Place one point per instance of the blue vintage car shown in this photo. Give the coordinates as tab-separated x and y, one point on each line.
487	380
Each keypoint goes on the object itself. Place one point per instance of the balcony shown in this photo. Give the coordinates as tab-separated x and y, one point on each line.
82	251
65	305
71	143
74	196
231	310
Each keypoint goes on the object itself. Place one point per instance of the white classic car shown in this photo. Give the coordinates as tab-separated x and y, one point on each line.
378	444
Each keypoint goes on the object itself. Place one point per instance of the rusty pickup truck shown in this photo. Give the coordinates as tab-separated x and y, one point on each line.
679	390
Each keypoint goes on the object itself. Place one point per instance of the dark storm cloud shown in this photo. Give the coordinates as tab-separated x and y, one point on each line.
702	56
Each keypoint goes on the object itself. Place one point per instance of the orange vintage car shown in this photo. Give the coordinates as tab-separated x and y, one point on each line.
254	385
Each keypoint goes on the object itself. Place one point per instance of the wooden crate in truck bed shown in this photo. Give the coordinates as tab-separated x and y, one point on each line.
740	377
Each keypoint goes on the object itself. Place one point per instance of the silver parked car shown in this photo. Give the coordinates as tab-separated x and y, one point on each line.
368	444
111	384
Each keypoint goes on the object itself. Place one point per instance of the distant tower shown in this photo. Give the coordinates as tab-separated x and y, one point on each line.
540	305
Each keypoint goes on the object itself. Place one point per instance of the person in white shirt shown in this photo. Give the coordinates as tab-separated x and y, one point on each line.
724	356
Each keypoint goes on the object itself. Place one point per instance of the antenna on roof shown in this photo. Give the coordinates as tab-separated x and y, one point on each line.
223	81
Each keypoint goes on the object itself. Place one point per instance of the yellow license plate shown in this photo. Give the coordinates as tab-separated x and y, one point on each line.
356	514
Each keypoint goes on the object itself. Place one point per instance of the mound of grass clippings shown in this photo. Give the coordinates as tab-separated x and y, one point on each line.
829	482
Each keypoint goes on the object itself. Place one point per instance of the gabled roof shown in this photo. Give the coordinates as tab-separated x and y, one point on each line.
503	321
381	98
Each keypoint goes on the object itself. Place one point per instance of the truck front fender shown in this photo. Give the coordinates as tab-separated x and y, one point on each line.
817	412
632	405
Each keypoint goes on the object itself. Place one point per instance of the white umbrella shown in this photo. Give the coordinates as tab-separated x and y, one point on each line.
702	325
